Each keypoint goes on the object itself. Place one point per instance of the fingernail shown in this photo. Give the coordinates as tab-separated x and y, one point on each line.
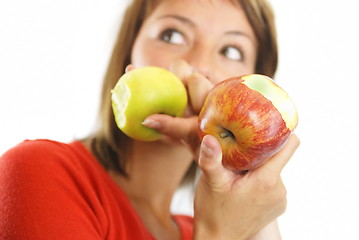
148	122
206	149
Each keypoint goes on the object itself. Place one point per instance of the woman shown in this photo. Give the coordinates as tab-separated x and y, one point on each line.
53	190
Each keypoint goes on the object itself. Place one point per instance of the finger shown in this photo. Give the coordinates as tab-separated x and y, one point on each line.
279	160
129	67
198	89
210	162
198	85
179	128
182	69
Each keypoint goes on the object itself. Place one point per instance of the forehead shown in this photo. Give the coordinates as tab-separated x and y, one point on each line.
198	6
218	15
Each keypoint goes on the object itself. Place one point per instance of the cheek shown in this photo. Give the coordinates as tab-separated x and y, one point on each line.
145	53
225	68
224	72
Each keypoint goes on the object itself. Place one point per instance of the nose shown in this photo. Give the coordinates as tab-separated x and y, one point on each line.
201	60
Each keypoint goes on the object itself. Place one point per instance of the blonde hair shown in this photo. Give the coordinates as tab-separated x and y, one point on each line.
109	144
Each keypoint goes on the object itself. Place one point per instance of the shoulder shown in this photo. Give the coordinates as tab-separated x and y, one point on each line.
33	161
50	163
44	154
34	150
48	182
42	162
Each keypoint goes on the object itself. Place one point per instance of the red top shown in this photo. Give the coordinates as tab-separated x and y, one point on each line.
52	190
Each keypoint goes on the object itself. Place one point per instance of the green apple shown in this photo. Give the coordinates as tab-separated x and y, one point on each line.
145	91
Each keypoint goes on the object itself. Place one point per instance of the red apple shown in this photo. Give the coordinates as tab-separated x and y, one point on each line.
252	118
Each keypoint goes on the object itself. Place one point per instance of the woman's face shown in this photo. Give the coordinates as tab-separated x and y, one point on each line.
214	37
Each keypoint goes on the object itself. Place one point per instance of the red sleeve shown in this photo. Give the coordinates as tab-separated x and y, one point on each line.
186	226
40	197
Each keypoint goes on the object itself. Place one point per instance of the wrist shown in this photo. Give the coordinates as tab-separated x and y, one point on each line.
205	231
201	231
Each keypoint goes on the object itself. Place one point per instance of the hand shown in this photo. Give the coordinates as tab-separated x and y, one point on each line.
231	206
184	130
227	205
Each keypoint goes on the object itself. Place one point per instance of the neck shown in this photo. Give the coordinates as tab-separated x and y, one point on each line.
155	171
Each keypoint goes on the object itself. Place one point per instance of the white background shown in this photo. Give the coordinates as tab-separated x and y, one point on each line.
53	55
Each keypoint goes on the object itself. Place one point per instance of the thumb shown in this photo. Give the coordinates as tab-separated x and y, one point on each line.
210	162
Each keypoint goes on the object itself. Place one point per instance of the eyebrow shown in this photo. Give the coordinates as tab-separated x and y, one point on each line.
179	18
238	33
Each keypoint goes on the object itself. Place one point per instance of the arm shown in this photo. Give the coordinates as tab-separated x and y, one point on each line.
227	205
269	232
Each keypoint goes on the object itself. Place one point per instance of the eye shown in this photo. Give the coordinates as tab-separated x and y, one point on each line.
232	53
172	36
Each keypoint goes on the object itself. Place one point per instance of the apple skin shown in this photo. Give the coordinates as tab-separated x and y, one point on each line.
145	91
240	112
